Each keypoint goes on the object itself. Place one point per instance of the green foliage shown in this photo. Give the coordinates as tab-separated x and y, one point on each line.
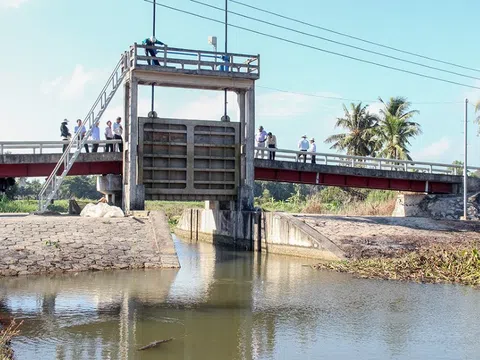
396	129
360	125
80	187
385	136
173	209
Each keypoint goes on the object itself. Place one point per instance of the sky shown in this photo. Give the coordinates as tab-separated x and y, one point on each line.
57	55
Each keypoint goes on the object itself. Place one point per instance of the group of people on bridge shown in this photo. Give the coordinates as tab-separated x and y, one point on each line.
264	139
113	131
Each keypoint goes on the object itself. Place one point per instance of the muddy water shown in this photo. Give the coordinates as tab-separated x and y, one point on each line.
226	305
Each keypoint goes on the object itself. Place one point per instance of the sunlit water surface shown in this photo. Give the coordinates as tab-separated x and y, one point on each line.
227	305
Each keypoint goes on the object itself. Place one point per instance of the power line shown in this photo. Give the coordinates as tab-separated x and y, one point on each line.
337	42
355	37
317	48
357	100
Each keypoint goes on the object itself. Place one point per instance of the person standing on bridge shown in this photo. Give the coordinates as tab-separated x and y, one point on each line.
260	139
271	144
65	134
117	133
152	51
109	136
303	145
312	149
95	136
80	129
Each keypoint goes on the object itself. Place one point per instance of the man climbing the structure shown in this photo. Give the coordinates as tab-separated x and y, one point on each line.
152	51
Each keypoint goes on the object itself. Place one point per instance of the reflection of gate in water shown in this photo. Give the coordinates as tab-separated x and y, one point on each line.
188	159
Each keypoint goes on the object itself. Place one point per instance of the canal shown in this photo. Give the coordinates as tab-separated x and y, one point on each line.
235	305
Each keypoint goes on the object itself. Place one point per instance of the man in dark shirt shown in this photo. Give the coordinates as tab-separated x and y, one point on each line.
65	134
152	52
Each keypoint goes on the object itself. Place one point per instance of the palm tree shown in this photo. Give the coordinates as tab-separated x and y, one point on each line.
477	110
397	106
359	138
395	129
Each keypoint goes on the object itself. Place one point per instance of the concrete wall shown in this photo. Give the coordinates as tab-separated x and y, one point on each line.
284	234
279	233
225	227
407	205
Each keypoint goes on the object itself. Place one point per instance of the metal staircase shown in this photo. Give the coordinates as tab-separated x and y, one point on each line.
54	181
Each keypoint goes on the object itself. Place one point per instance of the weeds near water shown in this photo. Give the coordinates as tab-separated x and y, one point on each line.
431	265
6	336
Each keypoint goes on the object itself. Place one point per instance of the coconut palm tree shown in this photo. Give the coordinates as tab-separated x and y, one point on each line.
359	138
395	129
399	107
477	110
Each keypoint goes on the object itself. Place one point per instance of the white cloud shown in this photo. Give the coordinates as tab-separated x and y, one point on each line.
208	108
435	150
282	105
49	87
11	3
374	108
71	86
75	85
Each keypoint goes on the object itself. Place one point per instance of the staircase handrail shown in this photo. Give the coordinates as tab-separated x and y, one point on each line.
90	119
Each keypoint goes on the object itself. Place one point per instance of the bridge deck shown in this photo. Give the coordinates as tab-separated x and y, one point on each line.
39	165
330	175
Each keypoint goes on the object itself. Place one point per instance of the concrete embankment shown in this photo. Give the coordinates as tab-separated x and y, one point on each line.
326	237
371	236
50	244
277	233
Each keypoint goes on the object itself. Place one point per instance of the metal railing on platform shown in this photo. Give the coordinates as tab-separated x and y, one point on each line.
44	147
362	162
187	59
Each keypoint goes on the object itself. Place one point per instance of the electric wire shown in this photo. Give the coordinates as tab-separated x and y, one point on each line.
336	42
354	37
318	48
357	100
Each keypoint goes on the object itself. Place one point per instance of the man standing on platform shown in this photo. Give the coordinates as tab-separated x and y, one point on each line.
312	149
80	128
118	131
151	51
65	134
95	136
260	139
303	145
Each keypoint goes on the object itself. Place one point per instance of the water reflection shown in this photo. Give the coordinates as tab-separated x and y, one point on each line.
226	305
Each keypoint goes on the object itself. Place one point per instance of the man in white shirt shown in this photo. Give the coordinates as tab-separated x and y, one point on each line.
260	139
117	133
95	136
82	131
303	145
312	149
109	136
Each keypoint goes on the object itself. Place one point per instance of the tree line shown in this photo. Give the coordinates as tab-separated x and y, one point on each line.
386	135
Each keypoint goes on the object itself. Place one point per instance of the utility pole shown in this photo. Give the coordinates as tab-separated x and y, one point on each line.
225	116
465	159
152	113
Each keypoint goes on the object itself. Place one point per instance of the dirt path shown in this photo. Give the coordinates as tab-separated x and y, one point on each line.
375	236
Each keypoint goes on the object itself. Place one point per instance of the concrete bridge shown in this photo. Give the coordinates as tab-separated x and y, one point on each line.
35	159
185	159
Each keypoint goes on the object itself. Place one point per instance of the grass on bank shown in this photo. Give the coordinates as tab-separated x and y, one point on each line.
333	201
173	209
438	264
6	335
30	206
